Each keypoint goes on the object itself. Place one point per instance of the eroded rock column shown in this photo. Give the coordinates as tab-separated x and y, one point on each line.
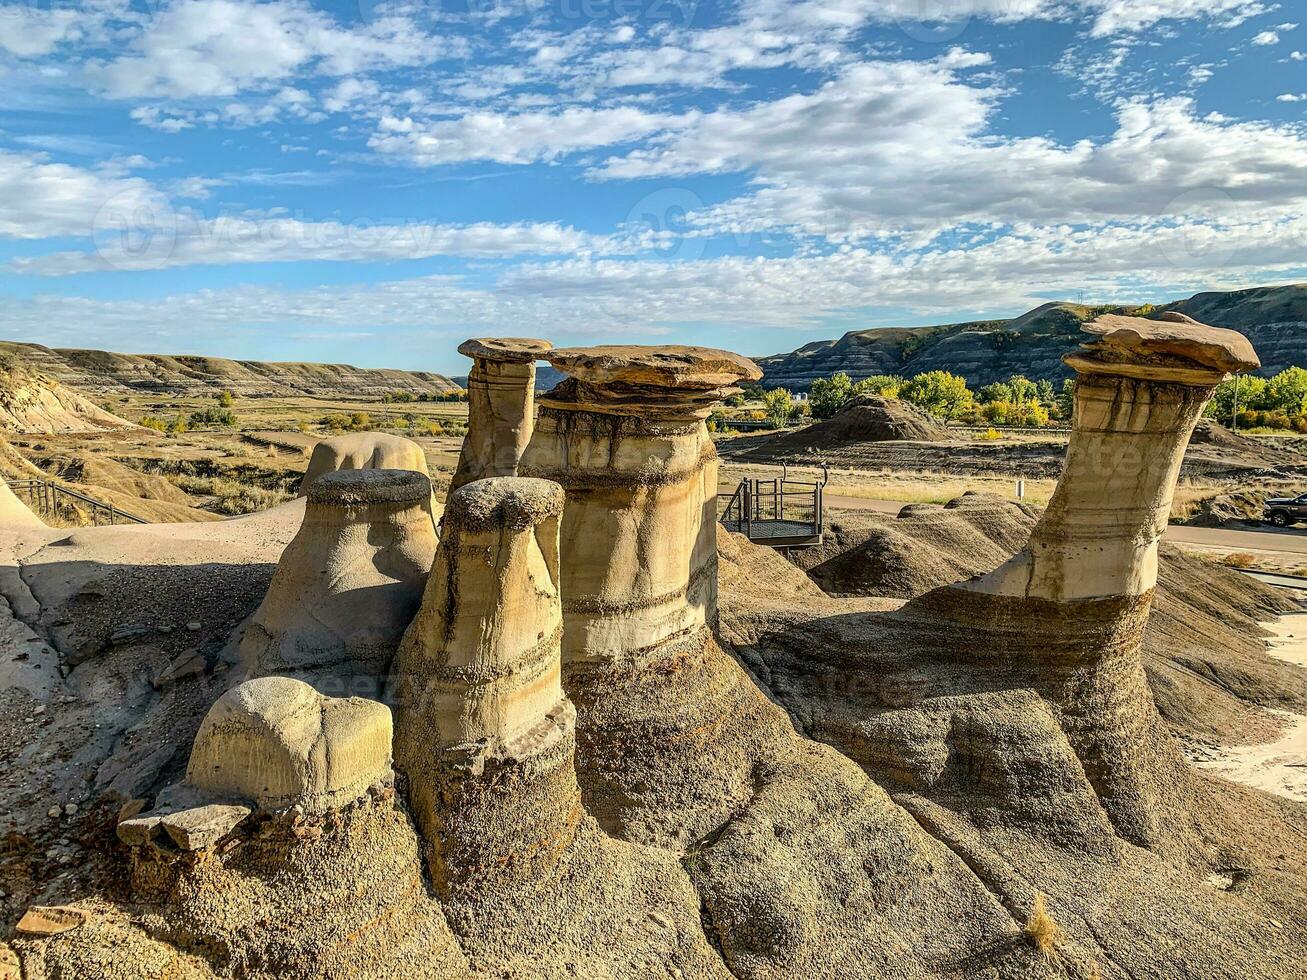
1066	615
669	728
483	732
347	585
363	451
1140	390
625	436
501	405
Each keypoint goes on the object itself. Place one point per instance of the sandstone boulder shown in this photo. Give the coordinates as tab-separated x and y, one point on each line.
279	743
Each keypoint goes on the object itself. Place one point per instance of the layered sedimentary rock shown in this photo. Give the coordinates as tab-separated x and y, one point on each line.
484	733
363	451
348	584
277	742
664	715
1139	392
501	405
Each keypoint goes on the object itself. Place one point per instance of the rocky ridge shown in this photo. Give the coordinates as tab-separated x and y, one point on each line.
1273	318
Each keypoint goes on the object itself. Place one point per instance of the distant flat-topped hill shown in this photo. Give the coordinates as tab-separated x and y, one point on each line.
99	372
982	351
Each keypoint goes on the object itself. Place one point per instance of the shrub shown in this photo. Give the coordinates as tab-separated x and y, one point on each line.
1042	931
150	422
1238	559
991	434
940	393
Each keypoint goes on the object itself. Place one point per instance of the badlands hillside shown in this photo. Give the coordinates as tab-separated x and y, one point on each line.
556	725
99	373
33	402
1274	318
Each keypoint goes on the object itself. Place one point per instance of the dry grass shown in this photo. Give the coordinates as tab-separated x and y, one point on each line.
1238	559
1043	933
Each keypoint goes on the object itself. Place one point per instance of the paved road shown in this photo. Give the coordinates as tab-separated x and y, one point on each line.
1291	541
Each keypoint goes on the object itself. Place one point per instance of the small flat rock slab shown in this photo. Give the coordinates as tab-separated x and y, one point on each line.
190	663
520	350
203	826
51	920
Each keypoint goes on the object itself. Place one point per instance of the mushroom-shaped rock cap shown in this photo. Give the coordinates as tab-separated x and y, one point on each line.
511	349
690	368
363	451
277	741
355	488
1171	343
504	501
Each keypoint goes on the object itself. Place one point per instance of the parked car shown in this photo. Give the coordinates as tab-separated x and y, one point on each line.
1286	511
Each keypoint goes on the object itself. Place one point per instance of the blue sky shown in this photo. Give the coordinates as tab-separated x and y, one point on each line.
374	181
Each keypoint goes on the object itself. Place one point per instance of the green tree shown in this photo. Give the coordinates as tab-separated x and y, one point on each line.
225	398
1287	391
940	393
1066	399
886	385
828	395
178	425
1023	389
1249	391
779	404
995	391
1044	392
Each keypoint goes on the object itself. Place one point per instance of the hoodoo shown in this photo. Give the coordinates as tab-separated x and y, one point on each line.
484	733
663	714
348	584
500	403
363	451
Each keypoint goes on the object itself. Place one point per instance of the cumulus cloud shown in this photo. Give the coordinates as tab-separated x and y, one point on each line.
1266	38
206	48
29	31
40	199
897	147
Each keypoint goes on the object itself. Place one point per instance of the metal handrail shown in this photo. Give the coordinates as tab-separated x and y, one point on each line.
48	500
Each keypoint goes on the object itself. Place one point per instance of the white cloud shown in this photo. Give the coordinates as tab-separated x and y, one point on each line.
617	298
174	240
1291	97
29	31
1266	38
1298	55
906	147
39	199
520	138
206	48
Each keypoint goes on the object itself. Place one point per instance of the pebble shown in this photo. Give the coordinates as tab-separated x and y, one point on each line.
53	813
39	710
193	627
70	808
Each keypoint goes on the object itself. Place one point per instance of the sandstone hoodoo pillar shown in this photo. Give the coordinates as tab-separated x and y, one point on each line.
625	435
501	405
1140	390
663	714
1066	615
483	731
348	584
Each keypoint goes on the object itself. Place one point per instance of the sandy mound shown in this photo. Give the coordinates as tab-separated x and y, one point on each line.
32	403
866	418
